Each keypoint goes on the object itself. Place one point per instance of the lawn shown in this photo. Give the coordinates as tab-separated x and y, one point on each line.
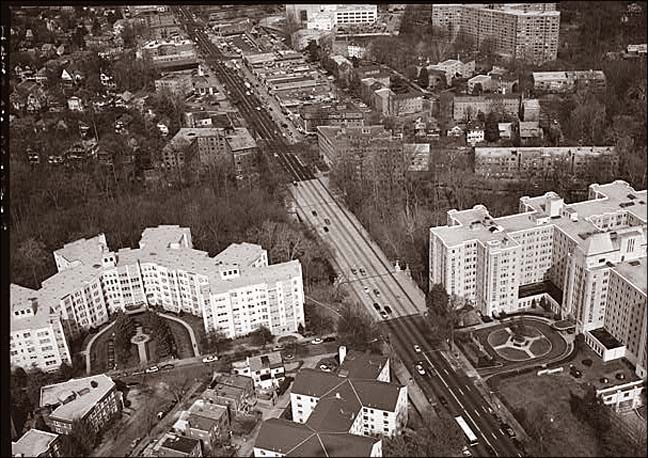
527	393
182	339
540	347
513	354
498	337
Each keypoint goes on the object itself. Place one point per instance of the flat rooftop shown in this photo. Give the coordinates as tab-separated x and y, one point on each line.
636	272
608	340
76	397
267	361
33	443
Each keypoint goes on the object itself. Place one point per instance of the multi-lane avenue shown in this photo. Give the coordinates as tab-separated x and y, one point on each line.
389	295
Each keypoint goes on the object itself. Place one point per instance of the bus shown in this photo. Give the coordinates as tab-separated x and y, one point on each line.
472	439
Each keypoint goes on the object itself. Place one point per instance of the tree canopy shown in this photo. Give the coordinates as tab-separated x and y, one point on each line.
437	436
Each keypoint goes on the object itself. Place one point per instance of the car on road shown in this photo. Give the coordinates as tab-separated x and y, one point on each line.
284	125
288	356
295	183
388	309
135	441
326	229
376	292
465	451
354	271
329	339
314	213
419	369
167	367
383	314
362	271
327	221
325	368
417	349
316	341
366	289
152	370
210	359
377	306
443	401
508	430
258	108
275	154
138	372
278	347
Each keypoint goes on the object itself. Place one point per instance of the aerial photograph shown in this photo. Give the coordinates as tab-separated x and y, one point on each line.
325	230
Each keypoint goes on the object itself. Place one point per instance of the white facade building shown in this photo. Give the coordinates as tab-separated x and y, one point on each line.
235	292
327	16
37	339
576	248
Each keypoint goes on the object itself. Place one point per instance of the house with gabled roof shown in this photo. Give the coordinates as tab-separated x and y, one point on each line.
338	414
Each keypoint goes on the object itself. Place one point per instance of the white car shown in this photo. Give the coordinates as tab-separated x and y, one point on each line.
419	369
417	349
152	369
278	347
465	451
210	359
316	341
366	289
325	368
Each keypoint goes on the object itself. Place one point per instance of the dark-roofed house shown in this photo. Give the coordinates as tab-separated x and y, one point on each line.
176	446
279	437
332	411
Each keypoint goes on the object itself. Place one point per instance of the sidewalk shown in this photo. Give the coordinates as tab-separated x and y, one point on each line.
418	399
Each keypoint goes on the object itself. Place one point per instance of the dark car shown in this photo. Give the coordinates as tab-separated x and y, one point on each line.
388	309
167	367
376	292
508	430
327	221
362	271
377	306
443	401
314	213
284	125
326	229
329	339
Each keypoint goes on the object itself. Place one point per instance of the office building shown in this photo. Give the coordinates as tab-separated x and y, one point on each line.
589	253
163	52
326	17
234	292
337	115
37	444
523	31
529	161
175	83
570	81
37	339
93	399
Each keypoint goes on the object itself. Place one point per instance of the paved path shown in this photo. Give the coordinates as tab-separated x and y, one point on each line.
88	350
192	335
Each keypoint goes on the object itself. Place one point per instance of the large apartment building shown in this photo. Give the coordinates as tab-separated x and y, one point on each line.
528	162
198	148
234	292
37	339
37	444
569	81
358	404
370	151
524	31
92	399
591	252
467	107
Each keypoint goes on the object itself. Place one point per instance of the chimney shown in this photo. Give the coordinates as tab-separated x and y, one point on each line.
342	351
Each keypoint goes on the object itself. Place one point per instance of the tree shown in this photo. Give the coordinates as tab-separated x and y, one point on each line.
32	253
356	329
262	336
491	129
96	27
477	89
80	441
424	78
318	322
442	313
214	342
436	437
541	428
124	330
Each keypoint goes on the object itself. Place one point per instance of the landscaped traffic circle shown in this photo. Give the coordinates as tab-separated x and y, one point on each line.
519	342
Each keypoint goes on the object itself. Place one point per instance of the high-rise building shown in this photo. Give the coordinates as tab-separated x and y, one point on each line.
37	339
569	254
525	31
234	292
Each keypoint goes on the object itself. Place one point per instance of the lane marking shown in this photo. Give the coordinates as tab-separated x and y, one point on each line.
494	436
462	393
477	412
